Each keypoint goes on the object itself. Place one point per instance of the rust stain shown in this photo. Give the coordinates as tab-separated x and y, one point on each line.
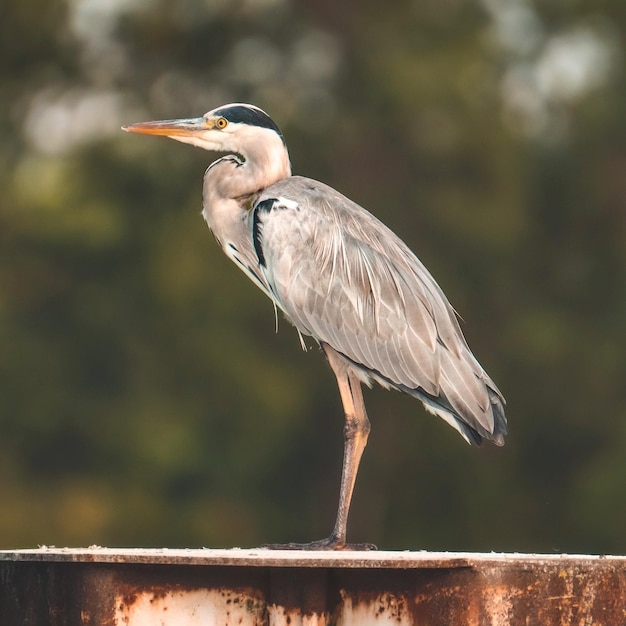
191	607
516	591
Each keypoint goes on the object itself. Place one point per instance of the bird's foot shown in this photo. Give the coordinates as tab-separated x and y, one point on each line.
331	543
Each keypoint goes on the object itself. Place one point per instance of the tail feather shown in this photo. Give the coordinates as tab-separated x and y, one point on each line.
469	426
473	433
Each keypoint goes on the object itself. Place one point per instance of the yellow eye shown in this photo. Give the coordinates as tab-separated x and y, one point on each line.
221	123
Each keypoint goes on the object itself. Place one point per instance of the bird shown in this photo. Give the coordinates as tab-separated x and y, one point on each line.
342	277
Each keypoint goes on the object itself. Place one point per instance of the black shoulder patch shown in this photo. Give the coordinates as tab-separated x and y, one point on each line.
264	206
248	115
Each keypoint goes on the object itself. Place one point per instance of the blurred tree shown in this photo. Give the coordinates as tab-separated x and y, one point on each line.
145	399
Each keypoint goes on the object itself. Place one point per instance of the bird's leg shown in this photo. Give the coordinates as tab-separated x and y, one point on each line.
356	431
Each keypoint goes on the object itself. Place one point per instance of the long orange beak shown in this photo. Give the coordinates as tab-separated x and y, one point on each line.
169	128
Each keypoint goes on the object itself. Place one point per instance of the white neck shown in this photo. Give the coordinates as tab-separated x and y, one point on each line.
231	180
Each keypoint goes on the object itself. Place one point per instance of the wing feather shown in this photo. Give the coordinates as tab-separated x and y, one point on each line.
344	278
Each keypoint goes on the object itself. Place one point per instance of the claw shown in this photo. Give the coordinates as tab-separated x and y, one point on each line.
323	544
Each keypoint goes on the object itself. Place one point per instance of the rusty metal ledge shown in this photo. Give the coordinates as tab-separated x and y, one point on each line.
260	557
172	587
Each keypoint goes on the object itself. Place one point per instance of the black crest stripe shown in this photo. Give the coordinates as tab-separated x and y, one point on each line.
248	115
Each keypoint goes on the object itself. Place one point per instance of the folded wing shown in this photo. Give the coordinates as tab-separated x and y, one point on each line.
344	278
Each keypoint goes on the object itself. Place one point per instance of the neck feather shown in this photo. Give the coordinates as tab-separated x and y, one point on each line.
239	176
231	180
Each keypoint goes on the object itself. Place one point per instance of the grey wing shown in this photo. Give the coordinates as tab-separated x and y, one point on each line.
344	278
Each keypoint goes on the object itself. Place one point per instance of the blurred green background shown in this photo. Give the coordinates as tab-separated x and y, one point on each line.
145	399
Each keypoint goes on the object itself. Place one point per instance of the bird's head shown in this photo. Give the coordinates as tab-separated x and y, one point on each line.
240	128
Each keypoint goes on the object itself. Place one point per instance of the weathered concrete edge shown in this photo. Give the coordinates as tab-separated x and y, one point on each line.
315	559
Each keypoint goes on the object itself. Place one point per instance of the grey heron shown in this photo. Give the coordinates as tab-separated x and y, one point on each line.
340	276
